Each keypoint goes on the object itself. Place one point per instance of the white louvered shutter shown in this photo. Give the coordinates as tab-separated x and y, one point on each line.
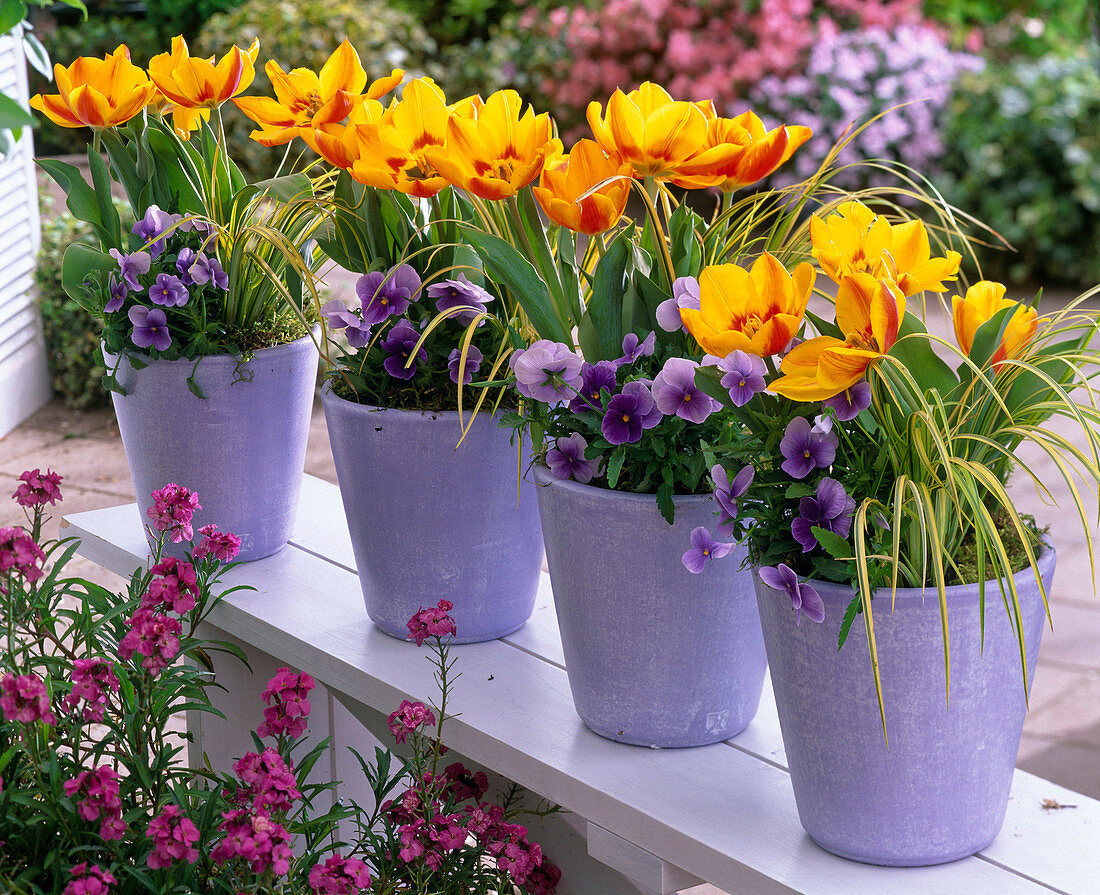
24	378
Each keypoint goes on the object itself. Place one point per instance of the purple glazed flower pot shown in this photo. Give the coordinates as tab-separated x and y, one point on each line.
940	791
656	656
429	522
242	447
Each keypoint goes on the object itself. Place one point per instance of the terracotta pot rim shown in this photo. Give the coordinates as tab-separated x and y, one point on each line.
544	479
1025	580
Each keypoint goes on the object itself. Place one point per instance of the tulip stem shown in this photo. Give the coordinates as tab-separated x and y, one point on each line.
649	194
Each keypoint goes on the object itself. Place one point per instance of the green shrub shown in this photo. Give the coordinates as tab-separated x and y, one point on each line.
303	34
71	333
1023	145
174	17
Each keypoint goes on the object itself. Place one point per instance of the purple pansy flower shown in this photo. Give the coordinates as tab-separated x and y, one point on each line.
566	459
727	492
547	371
473	364
675	391
151	229
398	344
389	294
206	269
831	509
806	449
339	316
118	293
168	291
184	260
630	412
634	348
131	267
703	549
804	598
594	379
850	402
199	225
150	328
744	376
685	294
460	292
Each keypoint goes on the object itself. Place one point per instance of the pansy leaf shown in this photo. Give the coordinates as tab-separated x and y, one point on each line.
667	508
615	466
855	607
832	543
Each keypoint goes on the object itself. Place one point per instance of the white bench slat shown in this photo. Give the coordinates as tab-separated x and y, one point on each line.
724	813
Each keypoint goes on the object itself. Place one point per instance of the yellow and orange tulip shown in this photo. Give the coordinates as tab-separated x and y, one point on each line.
658	136
869	313
566	177
762	151
306	101
757	311
194	85
856	240
495	150
983	300
97	93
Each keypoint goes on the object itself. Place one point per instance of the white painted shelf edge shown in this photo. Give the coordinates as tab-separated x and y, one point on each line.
723	813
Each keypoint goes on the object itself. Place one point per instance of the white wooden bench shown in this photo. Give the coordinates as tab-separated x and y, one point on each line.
641	820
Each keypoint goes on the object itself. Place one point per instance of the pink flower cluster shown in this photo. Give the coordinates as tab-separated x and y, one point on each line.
432	622
429	841
89	879
461	784
409	718
92	678
172	511
99	800
339	876
20	556
287	704
37	490
507	842
174	585
174	837
24	698
714	50
255	838
154	636
268	782
223	545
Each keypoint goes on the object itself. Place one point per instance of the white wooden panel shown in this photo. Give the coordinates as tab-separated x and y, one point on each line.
649	871
724	813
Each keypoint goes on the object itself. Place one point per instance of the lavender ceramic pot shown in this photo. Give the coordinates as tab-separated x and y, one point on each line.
656	656
428	521
940	791
242	447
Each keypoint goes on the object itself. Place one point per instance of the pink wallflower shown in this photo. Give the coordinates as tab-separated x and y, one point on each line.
287	703
174	837
98	800
154	636
37	490
172	511
543	880
24	697
89	879
463	784
20	556
223	545
255	838
269	783
404	809
429	841
174	585
339	876
92	678
432	622
409	718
